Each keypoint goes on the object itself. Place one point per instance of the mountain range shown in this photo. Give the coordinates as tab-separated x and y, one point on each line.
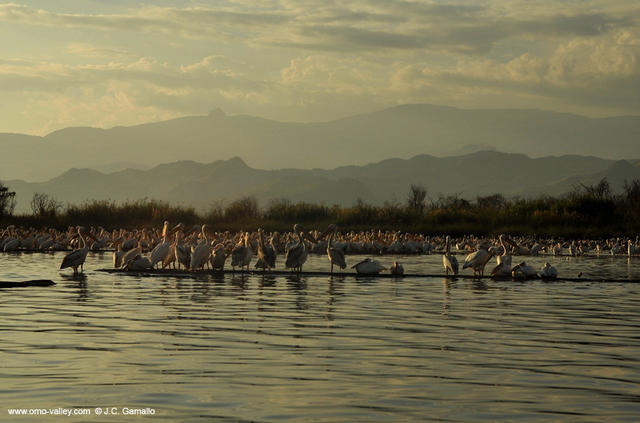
205	184
402	132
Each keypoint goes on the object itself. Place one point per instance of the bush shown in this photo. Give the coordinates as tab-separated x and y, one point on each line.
43	205
7	201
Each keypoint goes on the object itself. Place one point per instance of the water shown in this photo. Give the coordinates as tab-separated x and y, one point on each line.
233	348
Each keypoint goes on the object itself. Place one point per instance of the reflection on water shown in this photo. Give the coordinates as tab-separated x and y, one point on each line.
300	348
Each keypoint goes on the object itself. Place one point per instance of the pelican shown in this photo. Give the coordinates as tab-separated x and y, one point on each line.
557	249
182	252
336	255
548	272
297	254
138	263
218	257
396	269
170	258
12	242
478	260
503	267
368	267
77	257
130	255
118	253
449	261
162	250
523	271
266	253
241	254
200	254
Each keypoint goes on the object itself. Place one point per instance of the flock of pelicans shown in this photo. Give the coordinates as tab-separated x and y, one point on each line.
199	248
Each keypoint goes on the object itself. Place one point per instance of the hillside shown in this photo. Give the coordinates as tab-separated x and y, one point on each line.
403	132
203	185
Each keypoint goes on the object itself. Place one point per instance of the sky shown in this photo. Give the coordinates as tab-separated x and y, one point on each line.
104	63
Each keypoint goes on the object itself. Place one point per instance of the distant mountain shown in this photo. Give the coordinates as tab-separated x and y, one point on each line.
202	185
402	131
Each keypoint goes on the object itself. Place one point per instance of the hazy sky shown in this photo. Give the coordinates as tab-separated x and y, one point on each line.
115	62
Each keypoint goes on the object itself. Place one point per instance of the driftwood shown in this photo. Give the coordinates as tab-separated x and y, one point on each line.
200	273
24	284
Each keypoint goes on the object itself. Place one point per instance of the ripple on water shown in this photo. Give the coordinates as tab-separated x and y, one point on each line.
267	348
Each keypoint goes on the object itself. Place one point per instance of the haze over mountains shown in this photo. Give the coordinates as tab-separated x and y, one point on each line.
403	132
203	185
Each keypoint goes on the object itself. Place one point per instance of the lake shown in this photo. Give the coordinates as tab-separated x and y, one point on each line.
321	349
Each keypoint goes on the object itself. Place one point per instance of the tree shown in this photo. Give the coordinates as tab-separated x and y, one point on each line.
7	201
494	201
417	198
243	208
632	192
44	205
600	191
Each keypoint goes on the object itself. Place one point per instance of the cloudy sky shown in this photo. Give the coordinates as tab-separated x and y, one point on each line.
120	62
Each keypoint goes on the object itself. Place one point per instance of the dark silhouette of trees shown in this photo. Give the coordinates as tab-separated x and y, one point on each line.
417	198
7	201
44	205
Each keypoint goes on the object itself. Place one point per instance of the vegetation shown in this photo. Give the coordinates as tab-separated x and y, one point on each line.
587	211
7	201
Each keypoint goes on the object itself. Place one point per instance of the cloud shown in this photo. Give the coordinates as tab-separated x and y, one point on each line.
316	60
89	50
583	73
196	23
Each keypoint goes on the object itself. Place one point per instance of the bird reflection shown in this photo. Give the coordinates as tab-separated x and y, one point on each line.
239	280
267	281
479	286
446	295
79	283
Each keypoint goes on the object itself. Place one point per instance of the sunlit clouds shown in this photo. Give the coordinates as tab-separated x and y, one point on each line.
122	63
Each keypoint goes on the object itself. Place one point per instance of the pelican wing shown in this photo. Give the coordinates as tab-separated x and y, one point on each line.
336	257
450	262
296	256
74	258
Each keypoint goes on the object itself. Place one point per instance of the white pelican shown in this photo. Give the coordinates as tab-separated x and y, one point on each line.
368	267
266	253
503	267
241	254
478	260
162	250
77	257
396	246
138	263
218	257
297	254
202	251
181	252
12	242
548	272
336	255
557	249
170	258
130	255
449	261
118	253
523	271
396	269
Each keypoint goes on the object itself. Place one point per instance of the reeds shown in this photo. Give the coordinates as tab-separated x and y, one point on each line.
581	213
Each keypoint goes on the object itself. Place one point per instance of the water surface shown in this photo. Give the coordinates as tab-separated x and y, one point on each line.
284	348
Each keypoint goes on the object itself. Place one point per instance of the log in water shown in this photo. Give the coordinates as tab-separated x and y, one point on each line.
24	284
199	273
